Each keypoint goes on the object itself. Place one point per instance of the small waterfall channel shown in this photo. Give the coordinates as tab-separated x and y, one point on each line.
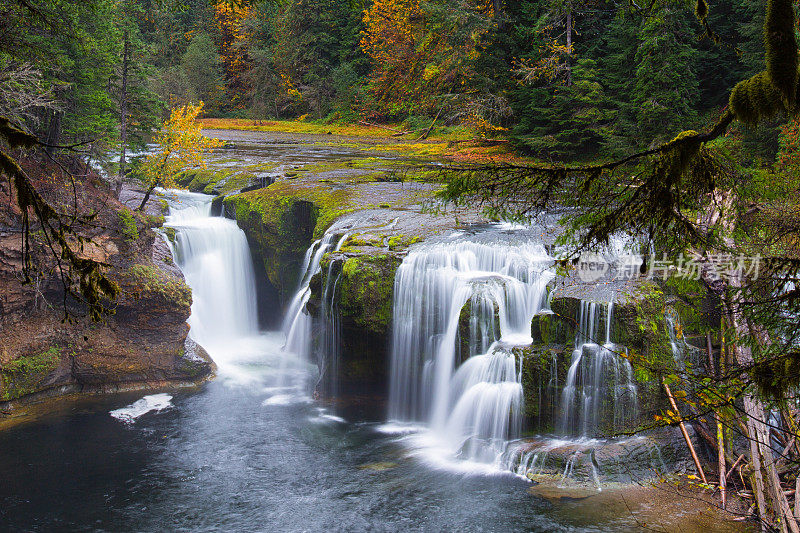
460	307
598	397
214	256
299	325
600	392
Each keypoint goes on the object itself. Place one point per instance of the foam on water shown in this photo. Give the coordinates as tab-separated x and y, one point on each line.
153	402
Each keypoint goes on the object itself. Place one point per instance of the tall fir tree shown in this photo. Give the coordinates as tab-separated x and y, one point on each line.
665	91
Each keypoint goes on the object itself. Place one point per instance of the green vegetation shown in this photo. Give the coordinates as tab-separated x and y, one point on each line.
283	219
148	280
127	222
24	375
366	290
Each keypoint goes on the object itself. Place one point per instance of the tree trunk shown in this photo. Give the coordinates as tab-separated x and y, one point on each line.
569	46
123	114
53	131
718	419
146	197
758	434
497	7
765	474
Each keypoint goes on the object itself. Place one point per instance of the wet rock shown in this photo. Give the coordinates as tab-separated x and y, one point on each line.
142	343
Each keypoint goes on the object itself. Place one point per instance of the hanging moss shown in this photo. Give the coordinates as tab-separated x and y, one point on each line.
756	99
781	45
775	376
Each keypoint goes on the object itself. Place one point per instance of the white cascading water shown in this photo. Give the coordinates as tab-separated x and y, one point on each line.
214	256
298	324
683	353
599	395
600	390
470	409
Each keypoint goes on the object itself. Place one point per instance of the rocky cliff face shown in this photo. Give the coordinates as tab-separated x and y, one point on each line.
375	220
143	342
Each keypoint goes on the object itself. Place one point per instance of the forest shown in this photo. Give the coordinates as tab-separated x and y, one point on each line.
564	80
539	256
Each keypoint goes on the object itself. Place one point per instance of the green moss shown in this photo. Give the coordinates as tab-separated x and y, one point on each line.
127	224
283	219
215	180
401	242
154	221
146	279
362	240
170	233
697	312
25	375
366	290
642	328
543	368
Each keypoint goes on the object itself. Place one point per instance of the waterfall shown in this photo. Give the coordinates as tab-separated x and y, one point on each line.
298	324
683	353
600	392
329	347
488	290
213	254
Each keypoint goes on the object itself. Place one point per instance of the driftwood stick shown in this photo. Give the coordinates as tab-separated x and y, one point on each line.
428	131
730	471
797	498
720	436
685	433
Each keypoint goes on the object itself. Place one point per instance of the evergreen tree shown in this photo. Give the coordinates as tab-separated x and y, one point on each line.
620	44
202	67
316	51
565	122
665	91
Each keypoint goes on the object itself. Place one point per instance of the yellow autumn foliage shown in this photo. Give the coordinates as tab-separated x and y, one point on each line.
181	145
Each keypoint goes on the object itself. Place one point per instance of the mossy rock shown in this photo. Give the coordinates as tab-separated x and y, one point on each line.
214	181
544	372
282	220
26	375
147	280
366	289
465	329
170	233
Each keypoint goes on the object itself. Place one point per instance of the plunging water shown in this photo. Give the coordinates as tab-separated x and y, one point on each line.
489	289
599	394
214	256
599	397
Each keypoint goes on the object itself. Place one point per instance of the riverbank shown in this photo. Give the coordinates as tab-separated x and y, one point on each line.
454	144
50	345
